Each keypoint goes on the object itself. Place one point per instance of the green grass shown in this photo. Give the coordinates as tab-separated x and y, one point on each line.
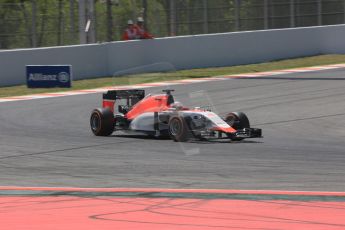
183	74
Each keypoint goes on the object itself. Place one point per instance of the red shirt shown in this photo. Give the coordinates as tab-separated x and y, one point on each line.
131	33
143	34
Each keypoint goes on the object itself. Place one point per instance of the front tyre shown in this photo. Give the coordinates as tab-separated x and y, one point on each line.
178	129
102	122
237	120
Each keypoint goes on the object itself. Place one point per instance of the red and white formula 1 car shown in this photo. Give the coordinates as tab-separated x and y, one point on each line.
159	115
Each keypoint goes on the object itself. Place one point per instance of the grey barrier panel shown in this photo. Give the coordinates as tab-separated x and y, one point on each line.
183	52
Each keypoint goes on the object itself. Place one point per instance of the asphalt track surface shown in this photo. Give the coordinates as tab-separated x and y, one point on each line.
48	142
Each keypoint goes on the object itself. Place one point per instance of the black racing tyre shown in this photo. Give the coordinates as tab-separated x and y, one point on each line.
178	129
102	122
237	120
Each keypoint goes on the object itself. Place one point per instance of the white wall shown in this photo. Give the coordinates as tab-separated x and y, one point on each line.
87	61
183	52
215	50
332	39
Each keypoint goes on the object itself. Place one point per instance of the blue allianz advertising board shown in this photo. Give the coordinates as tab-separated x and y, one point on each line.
48	76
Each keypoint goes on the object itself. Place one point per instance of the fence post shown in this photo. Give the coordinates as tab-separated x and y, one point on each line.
319	12
344	9
134	9
91	16
33	23
237	15
72	20
145	5
172	18
205	16
292	13
109	20
82	21
266	14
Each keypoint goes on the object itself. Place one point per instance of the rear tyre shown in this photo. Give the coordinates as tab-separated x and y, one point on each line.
237	120
178	129
102	122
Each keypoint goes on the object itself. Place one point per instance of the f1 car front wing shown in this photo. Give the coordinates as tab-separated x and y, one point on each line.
248	133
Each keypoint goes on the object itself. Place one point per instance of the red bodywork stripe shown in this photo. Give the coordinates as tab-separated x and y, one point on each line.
108	104
154	103
225	130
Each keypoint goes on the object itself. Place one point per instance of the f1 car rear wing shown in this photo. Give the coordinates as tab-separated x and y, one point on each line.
132	96
124	94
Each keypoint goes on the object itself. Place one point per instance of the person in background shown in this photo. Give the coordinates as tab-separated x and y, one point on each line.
131	32
142	33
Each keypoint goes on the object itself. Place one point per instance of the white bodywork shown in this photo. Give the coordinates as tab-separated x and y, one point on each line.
145	121
214	118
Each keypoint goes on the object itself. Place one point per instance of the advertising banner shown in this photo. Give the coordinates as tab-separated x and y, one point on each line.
48	76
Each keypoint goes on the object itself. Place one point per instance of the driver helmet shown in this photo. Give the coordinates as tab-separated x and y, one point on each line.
177	105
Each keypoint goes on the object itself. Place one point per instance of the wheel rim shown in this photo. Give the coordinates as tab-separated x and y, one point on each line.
95	122
175	127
